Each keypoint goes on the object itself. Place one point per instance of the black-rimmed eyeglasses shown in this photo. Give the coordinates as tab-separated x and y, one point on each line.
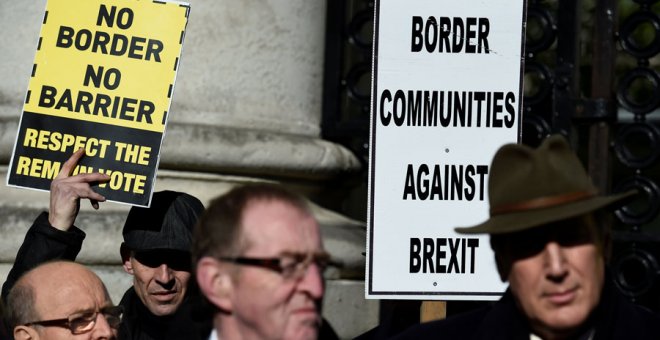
290	265
83	322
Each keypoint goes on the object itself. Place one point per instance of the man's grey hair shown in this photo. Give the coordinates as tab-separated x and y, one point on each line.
20	305
218	231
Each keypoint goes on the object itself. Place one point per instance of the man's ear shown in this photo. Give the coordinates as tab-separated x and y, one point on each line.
25	333
504	263
215	282
126	258
502	267
603	225
502	259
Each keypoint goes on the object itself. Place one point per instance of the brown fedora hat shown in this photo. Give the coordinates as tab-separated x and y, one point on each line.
532	187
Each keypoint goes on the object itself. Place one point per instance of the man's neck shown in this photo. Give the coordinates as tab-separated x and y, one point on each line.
585	332
229	328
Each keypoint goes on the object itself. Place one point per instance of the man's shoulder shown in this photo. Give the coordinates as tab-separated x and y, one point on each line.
499	320
633	321
456	327
128	299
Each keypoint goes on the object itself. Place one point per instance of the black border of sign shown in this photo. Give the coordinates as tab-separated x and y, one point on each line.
372	145
522	70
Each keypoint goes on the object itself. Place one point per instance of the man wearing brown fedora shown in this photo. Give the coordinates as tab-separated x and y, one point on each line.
545	229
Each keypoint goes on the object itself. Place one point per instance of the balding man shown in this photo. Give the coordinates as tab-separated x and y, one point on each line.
62	300
162	303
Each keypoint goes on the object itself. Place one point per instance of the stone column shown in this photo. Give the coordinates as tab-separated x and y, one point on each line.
246	107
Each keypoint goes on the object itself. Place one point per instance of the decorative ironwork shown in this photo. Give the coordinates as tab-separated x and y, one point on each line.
637	146
539	75
347	78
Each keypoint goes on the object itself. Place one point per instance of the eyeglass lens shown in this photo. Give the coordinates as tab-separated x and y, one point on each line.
296	265
82	323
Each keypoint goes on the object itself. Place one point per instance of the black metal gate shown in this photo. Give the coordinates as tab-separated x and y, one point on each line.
591	74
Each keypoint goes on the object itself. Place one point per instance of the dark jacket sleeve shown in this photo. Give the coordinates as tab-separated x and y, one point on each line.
43	243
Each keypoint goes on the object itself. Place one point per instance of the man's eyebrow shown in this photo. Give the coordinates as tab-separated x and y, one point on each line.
305	253
81	311
106	304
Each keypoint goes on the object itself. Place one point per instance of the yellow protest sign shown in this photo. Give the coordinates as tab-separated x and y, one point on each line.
103	79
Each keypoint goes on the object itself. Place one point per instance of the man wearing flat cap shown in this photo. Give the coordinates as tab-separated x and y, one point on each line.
550	246
162	302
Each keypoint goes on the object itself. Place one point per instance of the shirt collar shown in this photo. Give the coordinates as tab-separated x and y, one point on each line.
214	335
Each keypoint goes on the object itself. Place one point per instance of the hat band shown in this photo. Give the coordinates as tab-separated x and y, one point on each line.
541	202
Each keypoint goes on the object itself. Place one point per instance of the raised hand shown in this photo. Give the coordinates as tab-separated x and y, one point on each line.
66	192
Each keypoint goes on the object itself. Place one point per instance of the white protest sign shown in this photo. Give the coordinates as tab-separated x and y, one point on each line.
447	93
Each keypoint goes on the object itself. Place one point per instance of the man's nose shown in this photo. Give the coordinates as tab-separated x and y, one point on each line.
312	282
164	274
555	261
102	329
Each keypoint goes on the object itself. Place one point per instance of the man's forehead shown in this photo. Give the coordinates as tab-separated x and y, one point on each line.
67	291
279	227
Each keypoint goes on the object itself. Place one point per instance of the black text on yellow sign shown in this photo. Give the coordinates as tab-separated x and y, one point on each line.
110	87
102	80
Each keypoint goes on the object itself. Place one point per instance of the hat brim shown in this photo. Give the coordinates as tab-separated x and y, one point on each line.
519	221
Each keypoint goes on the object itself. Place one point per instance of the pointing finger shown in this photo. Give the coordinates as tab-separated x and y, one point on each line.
71	163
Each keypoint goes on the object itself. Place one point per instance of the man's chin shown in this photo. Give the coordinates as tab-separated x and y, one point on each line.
305	332
162	309
565	321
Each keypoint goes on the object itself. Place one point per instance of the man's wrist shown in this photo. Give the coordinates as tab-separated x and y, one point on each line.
58	223
59	226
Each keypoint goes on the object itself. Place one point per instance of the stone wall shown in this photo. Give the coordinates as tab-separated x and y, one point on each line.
246	107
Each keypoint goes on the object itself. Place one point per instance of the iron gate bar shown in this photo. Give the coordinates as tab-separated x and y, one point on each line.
602	83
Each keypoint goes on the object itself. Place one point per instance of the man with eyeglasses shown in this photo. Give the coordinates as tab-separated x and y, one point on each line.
259	260
62	300
162	303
